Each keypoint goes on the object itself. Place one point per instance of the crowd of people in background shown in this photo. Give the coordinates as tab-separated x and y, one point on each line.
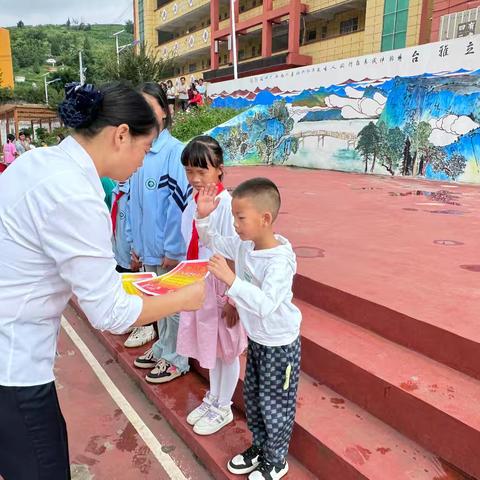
14	147
184	97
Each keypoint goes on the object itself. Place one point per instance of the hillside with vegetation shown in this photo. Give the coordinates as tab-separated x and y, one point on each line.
53	49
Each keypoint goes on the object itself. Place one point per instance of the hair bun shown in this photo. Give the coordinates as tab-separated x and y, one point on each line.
81	105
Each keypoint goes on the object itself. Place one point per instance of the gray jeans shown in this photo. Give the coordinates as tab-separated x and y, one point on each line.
166	345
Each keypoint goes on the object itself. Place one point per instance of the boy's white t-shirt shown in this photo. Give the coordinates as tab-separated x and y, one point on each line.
262	290
221	218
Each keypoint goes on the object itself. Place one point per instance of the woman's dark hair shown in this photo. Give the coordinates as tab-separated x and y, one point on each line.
89	110
11	137
169	82
157	92
202	151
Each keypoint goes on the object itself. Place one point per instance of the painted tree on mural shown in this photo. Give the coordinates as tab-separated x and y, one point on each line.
453	166
391	145
368	144
273	142
418	133
235	144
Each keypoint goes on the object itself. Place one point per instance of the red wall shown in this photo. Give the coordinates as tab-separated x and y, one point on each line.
444	7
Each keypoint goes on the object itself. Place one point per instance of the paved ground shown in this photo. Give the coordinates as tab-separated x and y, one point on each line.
108	440
408	244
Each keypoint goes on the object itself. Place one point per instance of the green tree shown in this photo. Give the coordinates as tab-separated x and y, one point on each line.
20	24
129	26
146	65
68	23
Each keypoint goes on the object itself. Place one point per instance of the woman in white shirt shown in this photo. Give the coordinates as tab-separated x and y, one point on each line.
55	240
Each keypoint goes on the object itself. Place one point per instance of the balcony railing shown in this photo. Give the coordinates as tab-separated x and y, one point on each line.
176	9
189	43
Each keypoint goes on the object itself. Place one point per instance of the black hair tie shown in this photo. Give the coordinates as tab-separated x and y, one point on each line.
81	105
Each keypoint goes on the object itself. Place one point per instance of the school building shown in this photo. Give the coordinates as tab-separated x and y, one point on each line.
279	34
6	68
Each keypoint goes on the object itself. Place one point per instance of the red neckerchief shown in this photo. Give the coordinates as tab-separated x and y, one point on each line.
114	213
192	252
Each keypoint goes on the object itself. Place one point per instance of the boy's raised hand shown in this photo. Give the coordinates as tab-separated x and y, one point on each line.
219	267
207	201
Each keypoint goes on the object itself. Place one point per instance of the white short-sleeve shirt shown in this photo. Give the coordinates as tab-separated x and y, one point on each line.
55	241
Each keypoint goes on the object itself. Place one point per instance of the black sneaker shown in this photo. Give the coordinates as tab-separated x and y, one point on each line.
163	372
269	471
147	360
245	462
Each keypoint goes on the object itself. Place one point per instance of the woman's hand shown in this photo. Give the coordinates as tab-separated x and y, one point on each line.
230	314
207	201
219	267
192	296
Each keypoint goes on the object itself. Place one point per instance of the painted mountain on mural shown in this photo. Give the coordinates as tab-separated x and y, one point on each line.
427	125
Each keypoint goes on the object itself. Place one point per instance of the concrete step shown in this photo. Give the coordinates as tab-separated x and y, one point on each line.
453	343
431	403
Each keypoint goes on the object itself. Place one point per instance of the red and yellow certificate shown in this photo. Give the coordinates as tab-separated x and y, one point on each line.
128	280
185	273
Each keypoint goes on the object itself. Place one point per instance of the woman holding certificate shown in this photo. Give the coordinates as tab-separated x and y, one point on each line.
55	240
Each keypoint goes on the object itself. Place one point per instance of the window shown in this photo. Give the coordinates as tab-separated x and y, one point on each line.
311	35
323	32
192	67
395	22
349	26
254	51
241	54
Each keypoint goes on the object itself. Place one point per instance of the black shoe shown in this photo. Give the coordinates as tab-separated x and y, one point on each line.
245	462
269	471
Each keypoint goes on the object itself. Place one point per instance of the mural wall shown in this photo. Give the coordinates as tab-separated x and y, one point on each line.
413	111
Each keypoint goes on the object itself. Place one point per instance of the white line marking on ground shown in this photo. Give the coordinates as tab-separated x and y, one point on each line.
148	437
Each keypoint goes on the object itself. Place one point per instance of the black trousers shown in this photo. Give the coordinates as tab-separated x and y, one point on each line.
33	434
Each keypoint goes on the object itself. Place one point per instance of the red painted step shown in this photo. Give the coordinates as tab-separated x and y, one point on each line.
431	403
453	346
339	438
176	399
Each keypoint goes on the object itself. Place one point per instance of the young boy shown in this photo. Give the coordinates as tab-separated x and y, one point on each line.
262	290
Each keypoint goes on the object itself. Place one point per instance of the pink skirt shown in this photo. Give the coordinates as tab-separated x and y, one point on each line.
204	335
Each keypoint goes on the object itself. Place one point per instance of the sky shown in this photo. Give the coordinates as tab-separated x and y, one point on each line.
39	12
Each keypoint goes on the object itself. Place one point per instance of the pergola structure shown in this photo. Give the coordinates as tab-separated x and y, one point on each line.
26	112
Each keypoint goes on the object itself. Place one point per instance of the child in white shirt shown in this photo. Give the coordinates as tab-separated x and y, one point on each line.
262	290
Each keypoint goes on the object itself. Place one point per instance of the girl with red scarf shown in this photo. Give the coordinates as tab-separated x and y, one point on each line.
213	335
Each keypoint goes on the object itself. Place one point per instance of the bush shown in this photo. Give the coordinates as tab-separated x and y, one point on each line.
187	125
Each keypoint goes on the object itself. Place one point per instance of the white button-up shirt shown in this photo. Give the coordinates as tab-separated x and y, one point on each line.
55	240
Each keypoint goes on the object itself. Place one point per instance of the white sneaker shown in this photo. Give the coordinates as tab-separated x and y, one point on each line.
195	415
129	330
140	336
269	471
215	419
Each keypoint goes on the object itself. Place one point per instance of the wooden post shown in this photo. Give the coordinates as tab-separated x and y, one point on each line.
33	130
15	121
50	125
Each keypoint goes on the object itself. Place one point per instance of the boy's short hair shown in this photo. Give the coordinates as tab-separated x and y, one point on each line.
263	192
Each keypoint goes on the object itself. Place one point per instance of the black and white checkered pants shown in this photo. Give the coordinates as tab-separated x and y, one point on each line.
270	395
